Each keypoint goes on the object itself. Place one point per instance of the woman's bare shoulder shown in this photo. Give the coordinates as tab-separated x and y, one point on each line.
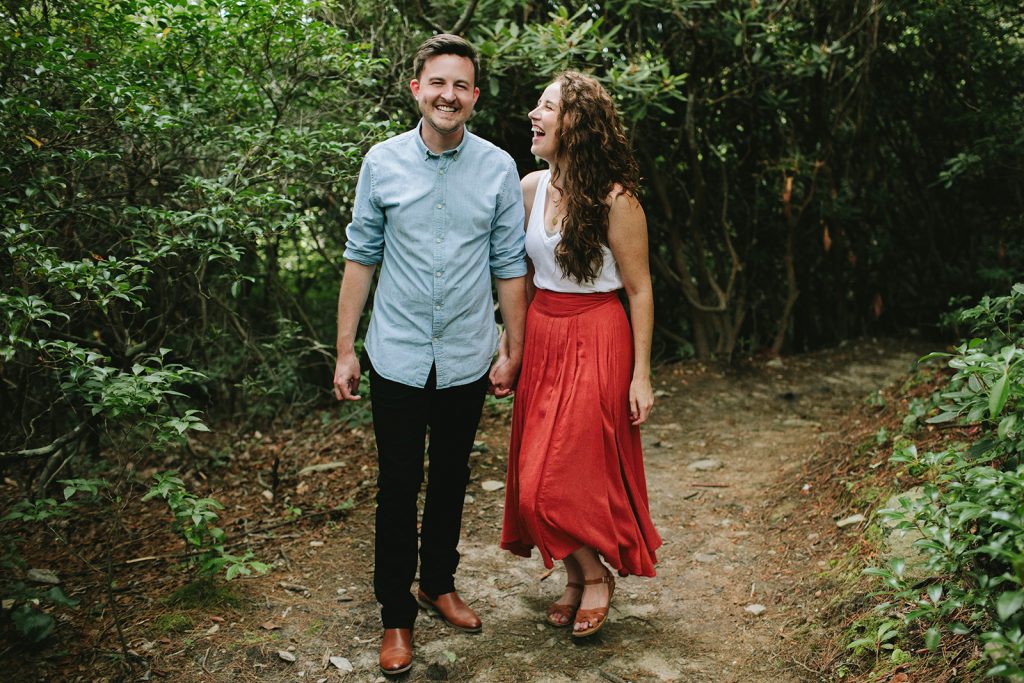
529	184
620	200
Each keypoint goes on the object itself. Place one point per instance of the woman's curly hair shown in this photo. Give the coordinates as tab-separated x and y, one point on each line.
593	156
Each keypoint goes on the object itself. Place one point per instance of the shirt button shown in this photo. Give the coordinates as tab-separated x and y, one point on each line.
438	273
436	339
440	206
441	172
438	240
437	308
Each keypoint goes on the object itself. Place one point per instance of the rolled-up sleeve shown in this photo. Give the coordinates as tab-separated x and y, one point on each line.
365	234
508	244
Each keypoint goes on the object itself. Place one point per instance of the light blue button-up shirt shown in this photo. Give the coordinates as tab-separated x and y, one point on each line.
441	225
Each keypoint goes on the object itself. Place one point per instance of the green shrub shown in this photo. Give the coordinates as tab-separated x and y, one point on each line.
971	516
194	519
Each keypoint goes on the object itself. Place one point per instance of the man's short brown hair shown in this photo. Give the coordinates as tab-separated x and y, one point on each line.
445	44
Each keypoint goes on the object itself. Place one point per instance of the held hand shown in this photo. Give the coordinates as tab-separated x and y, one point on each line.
346	377
641	400
503	376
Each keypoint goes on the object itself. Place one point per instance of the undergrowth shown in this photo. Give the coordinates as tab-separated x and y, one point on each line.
956	595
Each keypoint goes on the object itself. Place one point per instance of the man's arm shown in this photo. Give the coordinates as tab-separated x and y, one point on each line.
512	302
355	288
508	266
364	248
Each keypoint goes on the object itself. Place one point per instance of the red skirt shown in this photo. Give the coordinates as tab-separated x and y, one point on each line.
575	465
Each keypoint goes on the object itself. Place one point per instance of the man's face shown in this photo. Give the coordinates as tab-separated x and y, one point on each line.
445	92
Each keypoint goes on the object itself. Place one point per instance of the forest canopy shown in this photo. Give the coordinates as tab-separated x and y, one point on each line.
176	176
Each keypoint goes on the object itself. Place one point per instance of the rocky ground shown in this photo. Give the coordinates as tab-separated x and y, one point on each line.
727	451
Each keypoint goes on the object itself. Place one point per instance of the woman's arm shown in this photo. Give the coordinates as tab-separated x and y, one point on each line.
627	238
529	186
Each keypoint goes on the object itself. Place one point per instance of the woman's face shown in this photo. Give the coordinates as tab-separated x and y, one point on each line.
545	123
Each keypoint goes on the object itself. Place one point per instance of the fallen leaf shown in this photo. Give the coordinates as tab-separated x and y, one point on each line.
852	519
286	656
43	576
342	663
269	626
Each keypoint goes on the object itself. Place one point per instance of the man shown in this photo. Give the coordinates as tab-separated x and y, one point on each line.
441	210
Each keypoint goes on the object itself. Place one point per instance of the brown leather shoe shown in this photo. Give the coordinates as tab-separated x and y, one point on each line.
396	650
452	609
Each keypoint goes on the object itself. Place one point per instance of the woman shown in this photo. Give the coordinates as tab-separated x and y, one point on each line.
576	486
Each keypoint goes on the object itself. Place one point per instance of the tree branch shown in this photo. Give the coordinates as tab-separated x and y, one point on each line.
427	20
464	20
43	451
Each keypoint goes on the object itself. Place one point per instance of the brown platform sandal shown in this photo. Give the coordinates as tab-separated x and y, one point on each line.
597	616
567	611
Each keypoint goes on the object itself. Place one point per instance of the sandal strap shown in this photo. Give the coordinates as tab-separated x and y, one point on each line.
574	584
566	611
607	578
591	614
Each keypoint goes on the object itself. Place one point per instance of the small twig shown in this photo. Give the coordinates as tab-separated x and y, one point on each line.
609	676
713	486
112	601
296	587
296	520
803	666
283	556
508	589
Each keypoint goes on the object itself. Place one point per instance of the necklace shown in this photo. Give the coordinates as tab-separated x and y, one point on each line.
555	217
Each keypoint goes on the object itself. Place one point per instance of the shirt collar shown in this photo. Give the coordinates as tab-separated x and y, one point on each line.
425	152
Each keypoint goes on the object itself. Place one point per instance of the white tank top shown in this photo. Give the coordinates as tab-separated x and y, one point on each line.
540	247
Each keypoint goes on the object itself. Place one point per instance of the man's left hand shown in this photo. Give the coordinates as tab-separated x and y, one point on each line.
503	376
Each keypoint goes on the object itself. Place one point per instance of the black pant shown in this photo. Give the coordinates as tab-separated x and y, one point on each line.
401	416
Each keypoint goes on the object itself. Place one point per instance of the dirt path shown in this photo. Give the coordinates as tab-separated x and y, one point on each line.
721	451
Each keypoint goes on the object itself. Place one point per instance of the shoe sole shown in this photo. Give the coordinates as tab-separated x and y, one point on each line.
395	672
430	608
587	634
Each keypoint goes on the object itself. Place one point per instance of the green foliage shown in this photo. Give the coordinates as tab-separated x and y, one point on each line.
204	593
173	622
194	519
38	510
163	189
174	178
971	516
27	613
879	640
783	143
